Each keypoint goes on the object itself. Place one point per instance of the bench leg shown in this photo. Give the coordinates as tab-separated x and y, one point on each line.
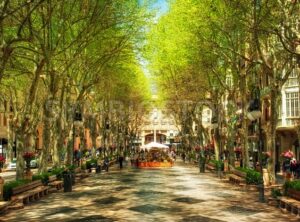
288	207
31	198
26	200
281	204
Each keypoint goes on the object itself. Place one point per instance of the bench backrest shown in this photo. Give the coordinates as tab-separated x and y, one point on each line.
294	194
211	164
52	178
26	187
239	173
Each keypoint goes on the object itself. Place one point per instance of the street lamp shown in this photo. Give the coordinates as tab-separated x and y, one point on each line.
254	113
77	122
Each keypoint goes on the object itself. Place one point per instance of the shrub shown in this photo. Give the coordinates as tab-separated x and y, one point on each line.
218	163
7	188
295	185
83	166
252	176
275	193
91	163
71	168
44	177
58	171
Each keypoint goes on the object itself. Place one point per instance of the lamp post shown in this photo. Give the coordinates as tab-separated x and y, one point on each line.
77	122
254	113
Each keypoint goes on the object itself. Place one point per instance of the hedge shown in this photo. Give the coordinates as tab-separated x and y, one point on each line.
252	176
8	186
295	185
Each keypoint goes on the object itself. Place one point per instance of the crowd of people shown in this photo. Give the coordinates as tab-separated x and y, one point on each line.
152	156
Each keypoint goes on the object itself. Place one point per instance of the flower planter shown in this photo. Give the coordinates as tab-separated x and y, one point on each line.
28	175
226	166
237	164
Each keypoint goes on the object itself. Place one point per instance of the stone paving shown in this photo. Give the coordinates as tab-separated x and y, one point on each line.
170	194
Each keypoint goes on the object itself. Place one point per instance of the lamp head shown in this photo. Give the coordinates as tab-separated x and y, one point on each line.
254	110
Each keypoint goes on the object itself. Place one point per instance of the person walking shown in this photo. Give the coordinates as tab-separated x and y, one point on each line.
106	163
121	158
183	157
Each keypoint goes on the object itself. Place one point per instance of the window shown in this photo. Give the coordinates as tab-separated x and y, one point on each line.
292	104
293	77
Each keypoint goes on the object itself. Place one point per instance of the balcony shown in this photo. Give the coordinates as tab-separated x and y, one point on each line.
291	82
288	123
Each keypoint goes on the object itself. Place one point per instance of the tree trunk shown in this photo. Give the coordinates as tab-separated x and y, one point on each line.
20	151
244	132
56	153
271	137
70	150
46	140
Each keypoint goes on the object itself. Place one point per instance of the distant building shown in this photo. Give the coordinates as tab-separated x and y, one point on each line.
160	123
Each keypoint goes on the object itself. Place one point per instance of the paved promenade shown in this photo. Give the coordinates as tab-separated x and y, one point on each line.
173	194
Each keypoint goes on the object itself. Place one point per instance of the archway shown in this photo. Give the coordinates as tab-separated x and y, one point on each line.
160	138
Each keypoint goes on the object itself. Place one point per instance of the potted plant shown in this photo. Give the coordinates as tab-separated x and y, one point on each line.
238	153
2	161
287	156
265	157
28	156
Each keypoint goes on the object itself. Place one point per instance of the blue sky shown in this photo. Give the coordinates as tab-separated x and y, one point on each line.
162	6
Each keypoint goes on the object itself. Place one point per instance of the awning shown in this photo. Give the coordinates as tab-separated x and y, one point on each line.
154	145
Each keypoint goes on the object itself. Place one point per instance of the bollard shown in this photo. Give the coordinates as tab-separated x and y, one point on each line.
98	169
1	188
226	166
67	182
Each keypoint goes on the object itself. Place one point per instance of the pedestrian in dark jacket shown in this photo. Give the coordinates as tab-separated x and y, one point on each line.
121	158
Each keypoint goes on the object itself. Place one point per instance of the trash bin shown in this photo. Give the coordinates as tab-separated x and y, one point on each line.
67	182
98	169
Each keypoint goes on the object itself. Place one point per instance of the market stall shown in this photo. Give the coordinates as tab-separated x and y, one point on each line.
154	155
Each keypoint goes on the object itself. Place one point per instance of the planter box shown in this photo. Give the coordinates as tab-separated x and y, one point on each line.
237	164
295	194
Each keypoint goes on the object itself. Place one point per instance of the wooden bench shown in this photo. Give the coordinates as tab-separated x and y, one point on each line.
291	202
237	177
29	192
81	175
210	166
53	182
3	206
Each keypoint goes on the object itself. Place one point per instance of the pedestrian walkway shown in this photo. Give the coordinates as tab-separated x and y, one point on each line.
170	194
